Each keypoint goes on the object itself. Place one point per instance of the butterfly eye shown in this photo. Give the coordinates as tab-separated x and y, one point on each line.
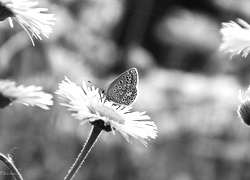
119	87
121	81
114	90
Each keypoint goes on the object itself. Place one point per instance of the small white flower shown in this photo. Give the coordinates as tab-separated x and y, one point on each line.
30	95
244	108
89	105
235	37
32	20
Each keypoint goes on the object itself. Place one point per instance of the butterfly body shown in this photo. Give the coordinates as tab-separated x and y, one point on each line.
123	90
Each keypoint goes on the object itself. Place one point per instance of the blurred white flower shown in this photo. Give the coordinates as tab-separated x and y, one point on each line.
244	108
235	38
30	95
89	105
32	20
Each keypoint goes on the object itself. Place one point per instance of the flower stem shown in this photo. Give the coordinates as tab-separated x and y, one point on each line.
93	136
9	163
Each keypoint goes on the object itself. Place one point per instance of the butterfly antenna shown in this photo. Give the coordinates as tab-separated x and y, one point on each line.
91	83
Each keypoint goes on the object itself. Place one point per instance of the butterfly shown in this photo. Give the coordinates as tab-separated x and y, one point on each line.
123	90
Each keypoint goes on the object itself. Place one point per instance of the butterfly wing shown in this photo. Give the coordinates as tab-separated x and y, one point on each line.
123	90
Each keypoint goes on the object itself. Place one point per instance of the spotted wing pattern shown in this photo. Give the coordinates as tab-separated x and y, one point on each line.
123	90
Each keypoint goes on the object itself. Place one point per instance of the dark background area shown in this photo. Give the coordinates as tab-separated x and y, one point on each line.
187	87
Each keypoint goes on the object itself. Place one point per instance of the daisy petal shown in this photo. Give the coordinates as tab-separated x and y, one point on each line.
235	38
32	20
30	95
244	107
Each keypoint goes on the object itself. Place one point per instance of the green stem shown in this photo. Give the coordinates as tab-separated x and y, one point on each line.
93	136
9	163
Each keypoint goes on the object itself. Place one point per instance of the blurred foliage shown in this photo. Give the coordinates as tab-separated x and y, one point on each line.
186	86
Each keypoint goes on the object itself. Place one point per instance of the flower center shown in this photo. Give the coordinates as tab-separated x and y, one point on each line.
106	111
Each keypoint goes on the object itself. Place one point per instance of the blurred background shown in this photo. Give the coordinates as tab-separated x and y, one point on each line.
186	86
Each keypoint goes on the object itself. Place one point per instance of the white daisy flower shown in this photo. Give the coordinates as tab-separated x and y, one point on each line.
33	20
244	108
89	105
30	95
235	37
